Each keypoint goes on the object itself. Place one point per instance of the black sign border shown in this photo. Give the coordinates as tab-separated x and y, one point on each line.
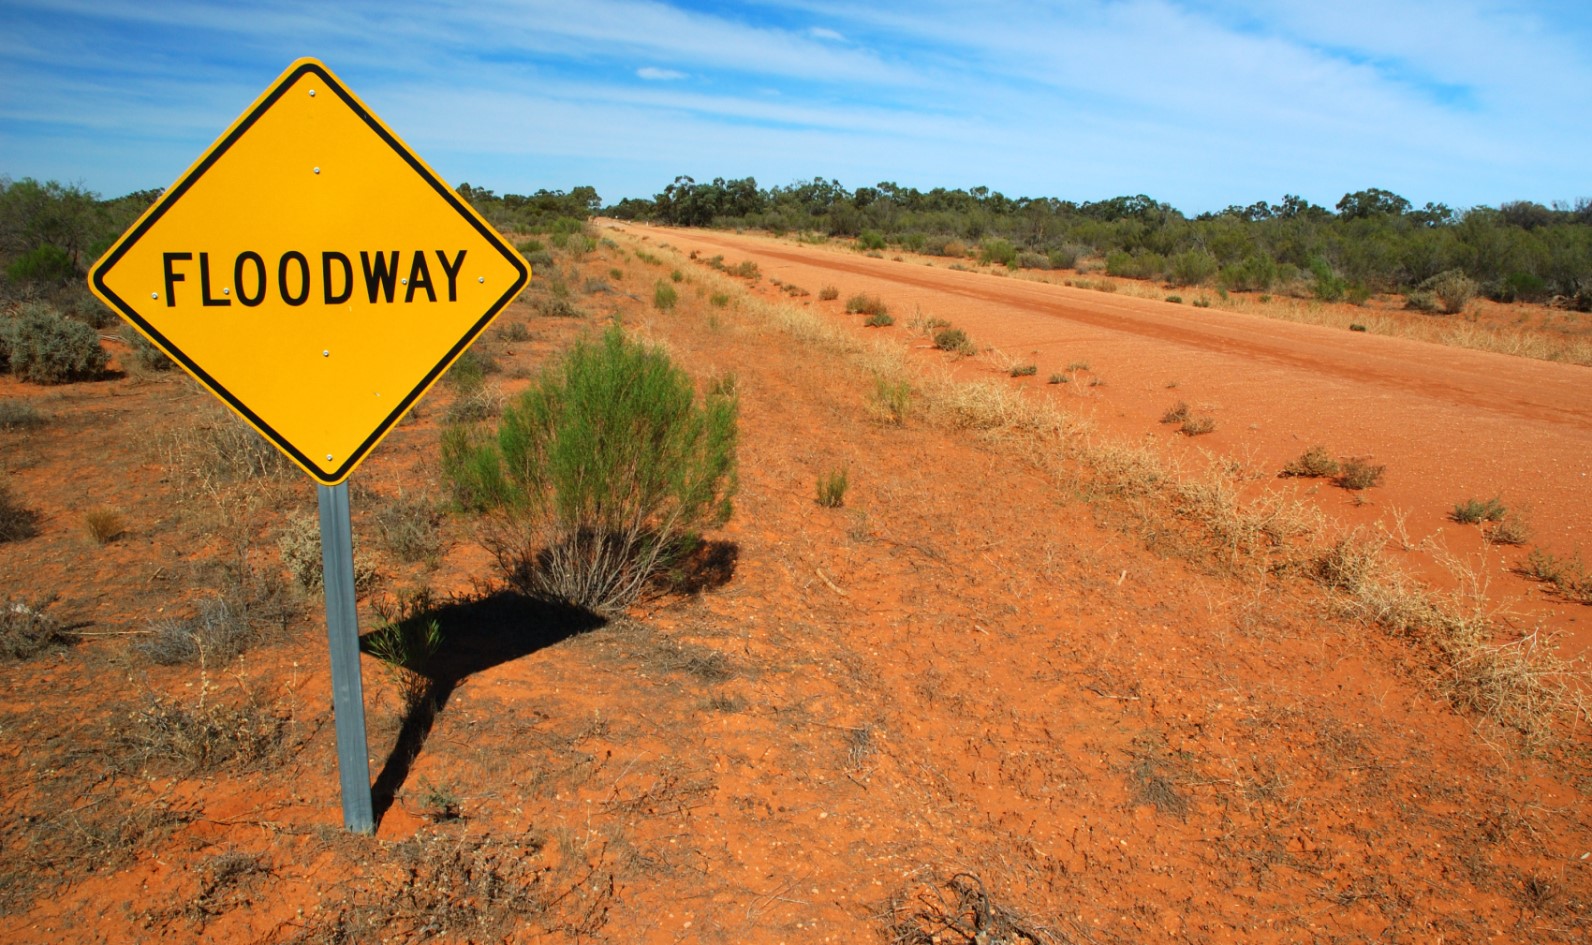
176	192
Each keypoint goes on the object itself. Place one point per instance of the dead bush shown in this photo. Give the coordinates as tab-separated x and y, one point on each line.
958	911
300	545
26	630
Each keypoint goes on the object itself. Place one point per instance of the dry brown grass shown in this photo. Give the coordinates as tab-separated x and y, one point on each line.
1528	688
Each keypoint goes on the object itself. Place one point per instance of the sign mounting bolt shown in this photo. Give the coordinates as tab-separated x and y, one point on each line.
328	457
317	170
480	278
154	295
326	353
312	93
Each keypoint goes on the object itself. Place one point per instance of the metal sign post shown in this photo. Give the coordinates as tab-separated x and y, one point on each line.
342	631
312	272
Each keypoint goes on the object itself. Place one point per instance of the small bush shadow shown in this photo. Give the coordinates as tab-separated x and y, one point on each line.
477	634
708	567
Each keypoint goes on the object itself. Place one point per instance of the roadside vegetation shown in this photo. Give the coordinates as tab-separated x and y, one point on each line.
1371	243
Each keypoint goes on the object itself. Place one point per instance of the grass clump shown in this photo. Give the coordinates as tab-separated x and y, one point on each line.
408	528
300	545
892	398
218	631
719	299
1313	463
954	340
19	415
1476	511
828	294
604	472
42	346
747	270
862	304
664	296
1177	413
1197	426
104	525
1024	370
1358	473
832	488
1568	576
1059	378
879	320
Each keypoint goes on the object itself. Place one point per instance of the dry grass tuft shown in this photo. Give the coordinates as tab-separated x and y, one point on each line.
104	525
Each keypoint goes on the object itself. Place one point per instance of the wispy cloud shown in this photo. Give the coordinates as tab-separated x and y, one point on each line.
654	74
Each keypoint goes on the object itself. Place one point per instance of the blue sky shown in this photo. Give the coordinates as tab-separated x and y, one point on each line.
1200	103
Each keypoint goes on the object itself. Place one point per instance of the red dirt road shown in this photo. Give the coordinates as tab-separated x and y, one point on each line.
1450	424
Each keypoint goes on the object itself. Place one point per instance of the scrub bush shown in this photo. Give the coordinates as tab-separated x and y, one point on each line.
603	473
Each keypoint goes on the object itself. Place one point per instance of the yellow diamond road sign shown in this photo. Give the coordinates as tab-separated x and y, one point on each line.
312	272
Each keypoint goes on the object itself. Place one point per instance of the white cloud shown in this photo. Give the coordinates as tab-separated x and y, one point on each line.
653	74
821	32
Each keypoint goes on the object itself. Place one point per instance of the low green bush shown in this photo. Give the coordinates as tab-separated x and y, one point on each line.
954	340
43	347
604	472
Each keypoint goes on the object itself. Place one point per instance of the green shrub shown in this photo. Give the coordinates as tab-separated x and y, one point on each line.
1025	370
1256	273
1452	289
1202	302
879	320
748	270
954	340
469	370
998	251
1058	378
719	299
1191	268
46	263
1175	299
605	470
1356	474
865	305
43	347
664	296
828	294
832	488
676	276
1033	261
1419	300
1313	463
1327	286
146	357
871	239
1476	511
19	415
1065	257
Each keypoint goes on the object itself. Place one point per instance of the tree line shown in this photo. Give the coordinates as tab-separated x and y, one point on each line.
1371	241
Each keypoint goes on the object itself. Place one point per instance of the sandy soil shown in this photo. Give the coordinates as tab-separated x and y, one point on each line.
968	705
1449	424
